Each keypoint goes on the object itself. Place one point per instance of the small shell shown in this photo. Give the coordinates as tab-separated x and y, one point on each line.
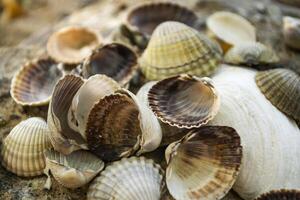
33	84
282	88
283	194
250	53
204	164
175	48
73	170
291	31
230	29
23	149
70	45
114	60
134	178
184	101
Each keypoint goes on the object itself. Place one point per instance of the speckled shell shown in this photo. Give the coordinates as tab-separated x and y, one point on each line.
282	88
281	195
23	149
291	31
73	170
184	101
134	178
204	164
33	84
175	48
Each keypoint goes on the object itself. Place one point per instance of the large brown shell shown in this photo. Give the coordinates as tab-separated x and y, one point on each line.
283	194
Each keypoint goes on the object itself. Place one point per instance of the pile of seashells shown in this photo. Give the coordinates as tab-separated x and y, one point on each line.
236	129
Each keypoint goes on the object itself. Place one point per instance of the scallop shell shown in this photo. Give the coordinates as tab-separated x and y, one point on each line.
23	149
73	170
230	29
204	164
32	85
72	44
114	60
175	48
184	101
134	178
291	31
282	88
251	53
280	195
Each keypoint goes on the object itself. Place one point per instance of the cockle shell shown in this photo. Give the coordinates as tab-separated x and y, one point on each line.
73	170
184	101
204	164
134	178
291	31
23	149
175	48
32	85
282	88
281	195
70	45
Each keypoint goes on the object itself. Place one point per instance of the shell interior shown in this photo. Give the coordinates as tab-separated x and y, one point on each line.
280	195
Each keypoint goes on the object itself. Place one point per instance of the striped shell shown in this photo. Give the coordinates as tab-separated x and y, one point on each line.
175	48
23	149
291	32
33	84
134	178
204	164
280	195
282	88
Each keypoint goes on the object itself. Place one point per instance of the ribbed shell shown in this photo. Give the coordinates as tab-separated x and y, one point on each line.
134	178
280	195
282	88
23	149
204	164
33	84
175	48
291	31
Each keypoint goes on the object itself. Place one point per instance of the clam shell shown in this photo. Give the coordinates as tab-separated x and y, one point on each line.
32	85
134	178
204	164
282	88
291	31
23	149
175	48
73	170
184	101
70	45
280	195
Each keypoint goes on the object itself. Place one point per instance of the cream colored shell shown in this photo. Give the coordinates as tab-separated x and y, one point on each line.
291	31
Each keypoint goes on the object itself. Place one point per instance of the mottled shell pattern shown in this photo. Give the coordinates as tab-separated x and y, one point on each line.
175	48
204	164
23	149
291	31
283	194
134	178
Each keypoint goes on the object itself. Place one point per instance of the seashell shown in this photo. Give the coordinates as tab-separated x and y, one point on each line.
282	88
230	29
32	85
73	170
291	32
114	60
280	195
250	53
134	178
204	164
175	48
70	45
23	149
270	140
119	125
184	101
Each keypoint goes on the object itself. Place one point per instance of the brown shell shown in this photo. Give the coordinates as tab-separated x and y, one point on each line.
283	194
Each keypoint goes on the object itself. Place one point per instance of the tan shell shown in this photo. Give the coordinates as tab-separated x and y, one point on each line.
72	44
134	178
73	170
282	194
204	164
282	88
184	101
33	84
23	149
291	31
175	48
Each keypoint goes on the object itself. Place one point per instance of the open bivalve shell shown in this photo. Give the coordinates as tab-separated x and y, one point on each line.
291	31
23	149
282	88
134	178
280	195
70	45
184	101
204	164
73	170
175	48
33	84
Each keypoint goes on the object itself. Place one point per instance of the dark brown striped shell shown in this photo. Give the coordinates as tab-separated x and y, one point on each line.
283	194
